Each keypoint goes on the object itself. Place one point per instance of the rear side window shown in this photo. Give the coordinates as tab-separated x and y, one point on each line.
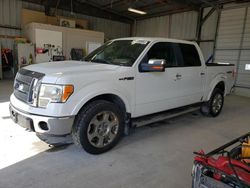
190	55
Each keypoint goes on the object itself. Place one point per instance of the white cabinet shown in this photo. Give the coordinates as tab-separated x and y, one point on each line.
71	38
48	44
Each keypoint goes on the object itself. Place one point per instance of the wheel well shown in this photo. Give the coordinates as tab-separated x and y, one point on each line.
111	98
221	86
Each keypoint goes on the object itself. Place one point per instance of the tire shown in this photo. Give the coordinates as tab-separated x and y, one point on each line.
215	104
98	127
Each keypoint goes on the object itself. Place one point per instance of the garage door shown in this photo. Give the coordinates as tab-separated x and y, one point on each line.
233	42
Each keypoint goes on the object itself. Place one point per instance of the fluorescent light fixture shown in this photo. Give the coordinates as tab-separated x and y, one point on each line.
136	11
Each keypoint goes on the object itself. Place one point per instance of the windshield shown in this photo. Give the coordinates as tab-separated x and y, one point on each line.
119	52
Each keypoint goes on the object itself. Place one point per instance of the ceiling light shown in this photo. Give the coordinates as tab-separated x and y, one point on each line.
136	11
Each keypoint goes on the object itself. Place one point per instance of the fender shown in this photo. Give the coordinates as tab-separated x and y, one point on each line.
218	78
100	88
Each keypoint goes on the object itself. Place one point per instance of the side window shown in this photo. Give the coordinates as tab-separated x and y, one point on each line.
162	50
190	55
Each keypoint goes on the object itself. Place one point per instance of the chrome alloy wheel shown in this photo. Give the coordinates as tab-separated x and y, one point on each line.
217	103
102	129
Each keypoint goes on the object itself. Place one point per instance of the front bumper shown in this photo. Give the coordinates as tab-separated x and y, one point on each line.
54	126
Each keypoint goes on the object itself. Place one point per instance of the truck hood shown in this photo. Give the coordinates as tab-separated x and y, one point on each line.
67	69
73	67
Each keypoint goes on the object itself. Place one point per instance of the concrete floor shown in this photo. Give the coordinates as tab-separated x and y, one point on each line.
159	155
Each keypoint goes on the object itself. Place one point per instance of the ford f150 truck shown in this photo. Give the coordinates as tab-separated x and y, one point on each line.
96	100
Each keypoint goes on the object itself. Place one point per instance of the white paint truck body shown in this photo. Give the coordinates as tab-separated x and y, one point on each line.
140	91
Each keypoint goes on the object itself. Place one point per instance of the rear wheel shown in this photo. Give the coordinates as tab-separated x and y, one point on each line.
98	127
214	106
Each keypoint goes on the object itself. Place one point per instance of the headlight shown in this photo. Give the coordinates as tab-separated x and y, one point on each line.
54	94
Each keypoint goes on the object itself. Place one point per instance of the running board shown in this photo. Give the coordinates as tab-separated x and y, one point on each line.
145	120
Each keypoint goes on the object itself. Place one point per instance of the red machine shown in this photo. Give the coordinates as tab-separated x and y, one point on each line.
225	167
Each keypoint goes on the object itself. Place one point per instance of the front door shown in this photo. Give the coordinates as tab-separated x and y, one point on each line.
179	85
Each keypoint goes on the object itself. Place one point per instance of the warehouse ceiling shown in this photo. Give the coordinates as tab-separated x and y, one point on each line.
118	9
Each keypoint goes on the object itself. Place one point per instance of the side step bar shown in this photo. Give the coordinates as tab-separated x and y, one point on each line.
145	120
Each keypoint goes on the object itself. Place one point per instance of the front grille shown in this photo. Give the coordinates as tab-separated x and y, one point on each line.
24	82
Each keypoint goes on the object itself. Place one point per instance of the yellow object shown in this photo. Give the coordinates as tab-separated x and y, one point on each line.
246	149
67	91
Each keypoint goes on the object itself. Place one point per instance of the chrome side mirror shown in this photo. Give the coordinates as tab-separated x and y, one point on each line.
153	65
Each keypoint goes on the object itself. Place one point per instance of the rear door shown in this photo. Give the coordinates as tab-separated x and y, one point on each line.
191	73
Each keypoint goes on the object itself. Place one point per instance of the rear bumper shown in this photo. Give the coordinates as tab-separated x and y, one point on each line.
56	126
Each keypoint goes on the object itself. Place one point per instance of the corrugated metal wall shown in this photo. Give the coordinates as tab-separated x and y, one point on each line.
10	16
243	78
10	13
181	26
153	27
208	33
233	42
112	29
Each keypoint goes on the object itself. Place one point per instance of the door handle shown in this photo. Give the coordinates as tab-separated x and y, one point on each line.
178	76
202	73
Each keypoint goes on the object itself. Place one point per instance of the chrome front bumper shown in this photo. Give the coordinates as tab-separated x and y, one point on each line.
54	126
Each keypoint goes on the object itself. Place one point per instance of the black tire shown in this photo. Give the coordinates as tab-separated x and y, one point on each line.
208	108
81	127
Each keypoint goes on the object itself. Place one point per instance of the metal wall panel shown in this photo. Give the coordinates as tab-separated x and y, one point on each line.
246	38
7	8
179	26
153	27
243	78
32	6
209	27
183	25
9	16
233	42
230	56
208	32
112	29
5	42
207	49
230	29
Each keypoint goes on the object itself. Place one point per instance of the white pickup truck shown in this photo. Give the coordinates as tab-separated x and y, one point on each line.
121	84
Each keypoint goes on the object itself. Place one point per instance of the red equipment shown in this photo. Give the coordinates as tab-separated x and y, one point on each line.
225	167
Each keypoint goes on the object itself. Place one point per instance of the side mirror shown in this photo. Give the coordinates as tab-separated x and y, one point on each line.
153	65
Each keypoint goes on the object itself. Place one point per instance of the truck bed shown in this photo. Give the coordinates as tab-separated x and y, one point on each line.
217	71
218	64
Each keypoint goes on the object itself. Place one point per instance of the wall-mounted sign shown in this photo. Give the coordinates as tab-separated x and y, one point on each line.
247	67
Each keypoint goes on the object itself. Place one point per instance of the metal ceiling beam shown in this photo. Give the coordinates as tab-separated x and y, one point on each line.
174	6
199	25
164	13
210	4
85	8
111	4
207	15
152	6
105	9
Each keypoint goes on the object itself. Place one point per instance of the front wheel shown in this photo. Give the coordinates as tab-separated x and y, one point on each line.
98	127
214	106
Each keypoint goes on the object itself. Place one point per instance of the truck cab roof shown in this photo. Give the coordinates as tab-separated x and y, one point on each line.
157	39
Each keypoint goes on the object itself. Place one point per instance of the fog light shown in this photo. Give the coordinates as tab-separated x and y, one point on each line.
43	125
